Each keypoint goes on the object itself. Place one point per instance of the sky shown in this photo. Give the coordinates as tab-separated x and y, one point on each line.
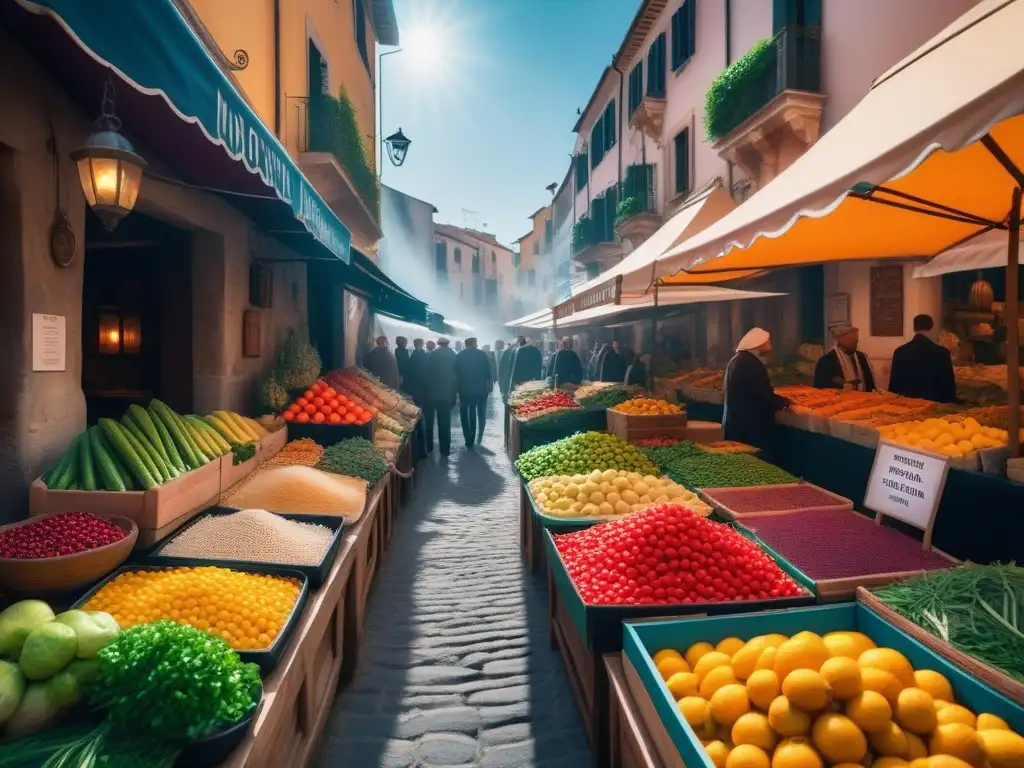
487	91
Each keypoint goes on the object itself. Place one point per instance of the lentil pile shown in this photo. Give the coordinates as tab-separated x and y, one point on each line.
355	457
726	470
299	490
303	453
247	610
253	535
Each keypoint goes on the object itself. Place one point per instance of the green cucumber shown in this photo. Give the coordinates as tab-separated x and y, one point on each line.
108	472
145	422
211	434
185	446
86	471
146	452
200	440
50	477
63	481
200	455
168	442
127	478
119	441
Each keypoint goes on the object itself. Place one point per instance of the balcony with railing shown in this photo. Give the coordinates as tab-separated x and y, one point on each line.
593	235
764	110
333	155
637	216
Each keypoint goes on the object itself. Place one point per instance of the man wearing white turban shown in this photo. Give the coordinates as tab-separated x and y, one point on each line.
750	401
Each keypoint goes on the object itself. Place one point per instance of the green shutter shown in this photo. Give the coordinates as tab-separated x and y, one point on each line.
691	27
609	125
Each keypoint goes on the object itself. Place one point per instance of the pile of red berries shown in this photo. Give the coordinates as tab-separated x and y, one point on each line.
666	554
63	534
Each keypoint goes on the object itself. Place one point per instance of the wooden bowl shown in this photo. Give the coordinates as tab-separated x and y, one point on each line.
66	572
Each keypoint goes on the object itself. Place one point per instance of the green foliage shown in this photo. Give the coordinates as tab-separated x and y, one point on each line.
583	234
333	128
739	90
628	208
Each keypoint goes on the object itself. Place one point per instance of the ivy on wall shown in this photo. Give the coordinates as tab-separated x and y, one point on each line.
739	90
333	128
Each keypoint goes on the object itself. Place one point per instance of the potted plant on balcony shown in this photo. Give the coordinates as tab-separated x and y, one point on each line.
583	234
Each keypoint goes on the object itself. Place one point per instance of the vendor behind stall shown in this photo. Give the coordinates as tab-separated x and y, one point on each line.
921	368
750	401
565	366
844	366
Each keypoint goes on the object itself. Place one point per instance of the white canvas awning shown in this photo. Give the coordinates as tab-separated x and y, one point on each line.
526	321
984	252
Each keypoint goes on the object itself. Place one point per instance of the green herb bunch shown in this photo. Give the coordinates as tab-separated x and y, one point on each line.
174	681
242	453
355	457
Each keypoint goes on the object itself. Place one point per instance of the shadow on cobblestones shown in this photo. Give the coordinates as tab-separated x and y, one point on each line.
456	668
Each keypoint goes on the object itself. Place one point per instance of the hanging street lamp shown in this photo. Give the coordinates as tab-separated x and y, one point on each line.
398	147
108	168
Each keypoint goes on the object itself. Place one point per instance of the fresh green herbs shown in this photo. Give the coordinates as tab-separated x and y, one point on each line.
355	457
242	453
978	610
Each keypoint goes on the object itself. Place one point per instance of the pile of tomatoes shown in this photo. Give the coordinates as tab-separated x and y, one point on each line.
323	404
666	554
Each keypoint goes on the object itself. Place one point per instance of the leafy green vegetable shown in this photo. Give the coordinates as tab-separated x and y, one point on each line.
242	453
355	457
173	680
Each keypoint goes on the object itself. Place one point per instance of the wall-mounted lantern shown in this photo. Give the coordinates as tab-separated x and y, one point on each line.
108	168
119	335
398	147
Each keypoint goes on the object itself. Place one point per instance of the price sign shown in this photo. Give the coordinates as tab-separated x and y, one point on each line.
907	484
48	342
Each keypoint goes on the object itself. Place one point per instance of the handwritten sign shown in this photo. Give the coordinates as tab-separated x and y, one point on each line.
49	343
906	484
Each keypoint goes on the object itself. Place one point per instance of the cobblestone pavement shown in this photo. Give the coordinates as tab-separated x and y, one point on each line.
456	668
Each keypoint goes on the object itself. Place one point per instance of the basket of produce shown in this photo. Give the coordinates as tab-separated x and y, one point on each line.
842	550
757	501
969	615
646	417
300	490
253	608
228	537
726	470
583	452
544	405
601	395
323	414
829	685
604	578
63	551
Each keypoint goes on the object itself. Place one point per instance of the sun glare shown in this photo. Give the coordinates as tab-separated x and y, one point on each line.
423	45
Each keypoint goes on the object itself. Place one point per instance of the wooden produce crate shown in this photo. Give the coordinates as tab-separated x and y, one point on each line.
271	444
702	431
675	741
584	633
996	679
629	427
710	495
231	473
151	510
630	744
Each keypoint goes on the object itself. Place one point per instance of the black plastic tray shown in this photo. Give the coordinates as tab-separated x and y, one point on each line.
214	749
316	574
329	434
266	659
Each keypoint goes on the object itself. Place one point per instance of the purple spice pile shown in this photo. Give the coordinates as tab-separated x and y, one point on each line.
783	498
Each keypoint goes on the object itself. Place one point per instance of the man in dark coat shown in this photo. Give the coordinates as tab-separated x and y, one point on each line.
442	388
473	370
431	346
636	373
566	367
844	366
415	383
613	366
505	370
750	401
492	361
381	363
921	368
527	364
402	358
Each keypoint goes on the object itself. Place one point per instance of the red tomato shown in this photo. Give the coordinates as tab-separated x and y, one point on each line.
335	402
334	419
326	410
309	394
330	392
289	415
341	409
349	418
302	418
318	401
310	409
302	402
318	418
294	408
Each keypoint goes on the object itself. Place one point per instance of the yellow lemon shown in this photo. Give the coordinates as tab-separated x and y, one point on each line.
753	728
747	756
728	703
796	753
714	680
890	741
919	762
934	683
671	665
870	711
990	722
1003	748
915	711
767	659
838	739
882	682
891	661
954	713
842	673
697	712
802	651
916	748
745	658
696	651
718	752
958	740
786	719
682	684
668	653
888	762
807	689
762	688
729	645
946	761
708	662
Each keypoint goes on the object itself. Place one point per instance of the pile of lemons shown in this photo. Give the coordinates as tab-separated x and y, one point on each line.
609	493
953	438
808	701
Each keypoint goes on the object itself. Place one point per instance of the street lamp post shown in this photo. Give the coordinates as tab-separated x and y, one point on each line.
380	109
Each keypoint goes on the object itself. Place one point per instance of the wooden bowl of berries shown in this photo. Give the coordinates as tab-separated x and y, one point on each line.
63	551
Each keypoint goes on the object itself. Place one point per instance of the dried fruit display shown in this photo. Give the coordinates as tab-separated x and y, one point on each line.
776	498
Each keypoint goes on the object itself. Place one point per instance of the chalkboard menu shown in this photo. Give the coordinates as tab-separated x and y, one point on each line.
887	301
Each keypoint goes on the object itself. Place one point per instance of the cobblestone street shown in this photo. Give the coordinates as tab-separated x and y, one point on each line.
456	668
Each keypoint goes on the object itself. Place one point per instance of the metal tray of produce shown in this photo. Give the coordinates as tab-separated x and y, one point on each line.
710	495
266	659
316	574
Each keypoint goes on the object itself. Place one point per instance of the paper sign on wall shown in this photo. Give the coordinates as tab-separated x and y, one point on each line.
49	342
906	484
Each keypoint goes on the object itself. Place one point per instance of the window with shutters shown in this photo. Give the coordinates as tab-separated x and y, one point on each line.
684	34
597	144
457	258
795	13
359	19
441	256
581	171
636	87
656	68
476	262
494	258
681	152
608	118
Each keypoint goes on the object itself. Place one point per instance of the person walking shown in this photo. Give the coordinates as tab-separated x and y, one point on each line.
415	383
505	371
381	363
492	362
921	368
442	389
402	358
431	346
750	402
473	371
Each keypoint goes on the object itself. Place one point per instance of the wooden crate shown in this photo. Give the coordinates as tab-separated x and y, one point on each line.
629	427
527	543
667	754
271	444
368	547
150	510
630	744
231	473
